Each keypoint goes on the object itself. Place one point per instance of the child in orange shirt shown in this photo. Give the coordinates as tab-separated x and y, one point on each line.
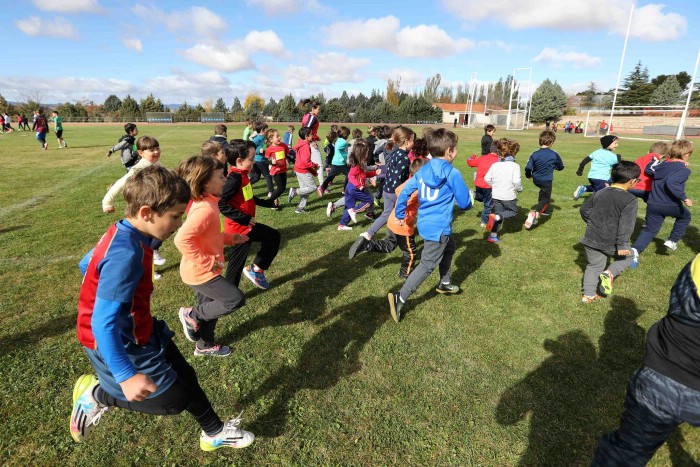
276	153
402	236
201	243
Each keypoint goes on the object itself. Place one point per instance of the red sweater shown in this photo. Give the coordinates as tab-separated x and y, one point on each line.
482	164
357	177
645	180
303	164
278	158
311	122
237	203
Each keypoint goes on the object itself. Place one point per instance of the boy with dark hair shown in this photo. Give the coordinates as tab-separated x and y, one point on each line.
602	161
138	366
129	155
58	129
304	169
610	215
219	136
288	140
540	167
487	139
665	391
439	185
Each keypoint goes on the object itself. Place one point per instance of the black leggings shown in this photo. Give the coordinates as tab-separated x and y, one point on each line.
335	170
269	240
280	180
184	394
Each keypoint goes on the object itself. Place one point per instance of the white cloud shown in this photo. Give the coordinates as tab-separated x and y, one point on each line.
72	6
55	27
133	44
326	68
263	41
386	34
66	88
234	56
410	77
562	57
650	22
286	7
202	20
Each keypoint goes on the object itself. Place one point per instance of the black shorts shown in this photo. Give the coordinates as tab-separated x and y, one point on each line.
59	133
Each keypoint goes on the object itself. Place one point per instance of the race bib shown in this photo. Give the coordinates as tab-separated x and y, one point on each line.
247	192
279	155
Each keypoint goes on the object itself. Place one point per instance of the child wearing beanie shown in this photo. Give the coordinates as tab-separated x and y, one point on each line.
602	161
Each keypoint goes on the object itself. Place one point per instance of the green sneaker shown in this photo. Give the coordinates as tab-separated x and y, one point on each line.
86	410
447	288
232	436
606	282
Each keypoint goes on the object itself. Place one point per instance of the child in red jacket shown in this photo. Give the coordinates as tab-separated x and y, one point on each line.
482	191
237	204
357	179
276	153
657	153
304	169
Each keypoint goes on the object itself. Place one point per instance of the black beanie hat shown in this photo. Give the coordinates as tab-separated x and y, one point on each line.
607	140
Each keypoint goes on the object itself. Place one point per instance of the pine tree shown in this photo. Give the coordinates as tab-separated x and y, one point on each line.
636	89
548	102
287	110
668	93
130	109
589	95
149	104
112	103
220	106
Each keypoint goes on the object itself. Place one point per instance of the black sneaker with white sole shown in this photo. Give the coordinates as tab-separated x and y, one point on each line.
357	247
395	305
447	288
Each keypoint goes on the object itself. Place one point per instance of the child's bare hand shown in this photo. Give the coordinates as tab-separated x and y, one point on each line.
217	266
688	202
251	222
138	387
379	171
399	222
108	209
623	252
239	239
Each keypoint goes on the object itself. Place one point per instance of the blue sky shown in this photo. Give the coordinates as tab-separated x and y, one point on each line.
191	51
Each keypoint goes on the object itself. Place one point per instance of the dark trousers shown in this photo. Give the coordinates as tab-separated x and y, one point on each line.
215	299
654	407
505	209
335	170
262	169
269	240
643	195
184	394
595	185
407	244
655	219
280	180
484	195
544	197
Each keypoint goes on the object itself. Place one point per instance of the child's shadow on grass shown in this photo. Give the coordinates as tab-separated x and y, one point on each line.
575	395
54	327
330	355
692	238
13	228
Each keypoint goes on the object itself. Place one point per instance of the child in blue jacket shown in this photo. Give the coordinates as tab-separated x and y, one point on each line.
540	167
439	185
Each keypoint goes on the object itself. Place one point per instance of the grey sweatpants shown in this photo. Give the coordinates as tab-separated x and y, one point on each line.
307	186
379	222
317	158
597	260
434	254
215	299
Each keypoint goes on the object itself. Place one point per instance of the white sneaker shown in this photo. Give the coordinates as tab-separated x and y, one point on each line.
158	260
353	215
530	220
671	245
232	436
156	276
344	227
86	410
292	194
366	235
329	209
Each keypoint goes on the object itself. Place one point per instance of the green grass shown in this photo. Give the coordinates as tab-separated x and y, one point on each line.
513	369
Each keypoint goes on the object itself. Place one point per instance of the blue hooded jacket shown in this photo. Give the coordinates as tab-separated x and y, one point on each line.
439	185
668	187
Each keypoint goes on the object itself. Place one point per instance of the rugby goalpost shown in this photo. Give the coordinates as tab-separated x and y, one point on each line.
629	121
517	117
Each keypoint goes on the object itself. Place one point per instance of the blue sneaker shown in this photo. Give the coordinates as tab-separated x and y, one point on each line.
635	259
86	410
579	191
493	239
232	436
257	278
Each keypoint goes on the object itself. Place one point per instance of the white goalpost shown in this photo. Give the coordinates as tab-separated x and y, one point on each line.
518	104
641	122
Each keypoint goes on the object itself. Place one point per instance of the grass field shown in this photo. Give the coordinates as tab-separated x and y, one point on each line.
513	370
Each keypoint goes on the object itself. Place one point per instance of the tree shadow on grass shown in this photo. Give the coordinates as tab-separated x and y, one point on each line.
329	356
576	394
679	456
54	327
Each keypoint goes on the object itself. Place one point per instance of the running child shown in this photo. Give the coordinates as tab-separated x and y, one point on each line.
656	154
289	140
262	167
487	139
610	215
540	167
356	134
237	204
138	366
355	188
276	154
126	146
667	199
42	128
504	179
438	185
214	149
338	144
419	150
402	236
482	190
602	161
304	169
249	125
201	243
310	120
58	129
220	132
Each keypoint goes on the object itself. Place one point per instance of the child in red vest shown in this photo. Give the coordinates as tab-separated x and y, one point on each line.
656	154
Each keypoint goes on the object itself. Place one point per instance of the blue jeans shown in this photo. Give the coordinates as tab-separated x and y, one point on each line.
485	196
655	219
654	407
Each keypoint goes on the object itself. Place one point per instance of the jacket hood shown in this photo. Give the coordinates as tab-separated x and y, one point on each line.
662	171
436	172
301	143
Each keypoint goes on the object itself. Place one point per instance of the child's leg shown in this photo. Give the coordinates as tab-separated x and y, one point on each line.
386	245
654	407
446	262
318	160
380	187
265	170
216	298
306	187
255	175
269	240
349	203
544	197
681	224
345	170
335	170
652	224
379	222
184	394
368	192
363	200
236	261
487	198
280	180
407	244
597	185
430	258
596	265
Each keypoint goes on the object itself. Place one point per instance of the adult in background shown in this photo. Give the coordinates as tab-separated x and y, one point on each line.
310	120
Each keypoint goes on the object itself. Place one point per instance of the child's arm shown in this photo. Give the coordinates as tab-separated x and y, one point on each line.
114	191
473	161
528	167
401	202
118	147
517	180
231	187
676	185
460	190
558	163
582	165
625	227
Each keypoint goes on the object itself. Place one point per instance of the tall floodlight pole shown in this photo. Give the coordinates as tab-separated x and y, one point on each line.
472	92
528	103
681	127
619	73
